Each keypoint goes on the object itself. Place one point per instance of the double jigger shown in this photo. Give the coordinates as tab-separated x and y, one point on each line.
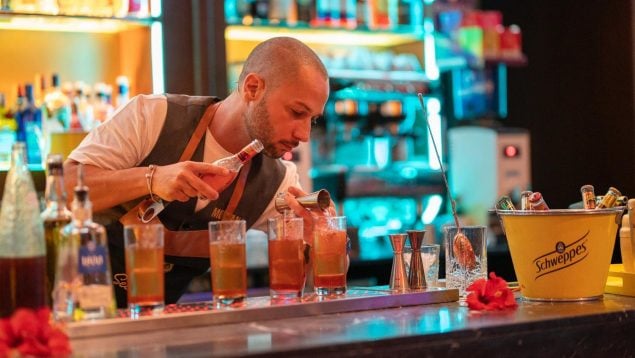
415	280
320	199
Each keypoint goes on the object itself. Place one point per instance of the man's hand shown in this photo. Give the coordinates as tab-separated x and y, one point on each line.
182	181
306	214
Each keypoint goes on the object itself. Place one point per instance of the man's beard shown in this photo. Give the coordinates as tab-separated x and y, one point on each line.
259	127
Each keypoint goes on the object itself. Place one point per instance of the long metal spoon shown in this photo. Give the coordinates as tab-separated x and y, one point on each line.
461	246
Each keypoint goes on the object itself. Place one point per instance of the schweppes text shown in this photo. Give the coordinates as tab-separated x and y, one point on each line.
564	255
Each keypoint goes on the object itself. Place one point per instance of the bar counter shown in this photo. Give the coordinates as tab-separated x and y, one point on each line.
588	329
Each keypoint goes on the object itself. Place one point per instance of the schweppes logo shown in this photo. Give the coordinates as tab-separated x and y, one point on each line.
562	257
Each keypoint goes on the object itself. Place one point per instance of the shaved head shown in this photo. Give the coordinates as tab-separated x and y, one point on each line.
279	60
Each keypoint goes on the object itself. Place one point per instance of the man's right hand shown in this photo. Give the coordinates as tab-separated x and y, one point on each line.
182	181
108	188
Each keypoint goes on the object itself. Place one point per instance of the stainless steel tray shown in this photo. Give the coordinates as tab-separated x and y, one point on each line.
259	309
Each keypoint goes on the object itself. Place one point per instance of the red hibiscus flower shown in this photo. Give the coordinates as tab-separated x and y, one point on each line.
490	295
30	334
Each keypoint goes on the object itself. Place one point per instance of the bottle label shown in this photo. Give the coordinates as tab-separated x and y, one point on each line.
92	258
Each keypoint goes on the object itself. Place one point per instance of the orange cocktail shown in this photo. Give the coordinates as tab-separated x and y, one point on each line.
144	268
329	265
145	275
229	272
286	257
228	260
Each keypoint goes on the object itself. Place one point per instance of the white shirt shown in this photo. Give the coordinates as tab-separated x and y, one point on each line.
127	138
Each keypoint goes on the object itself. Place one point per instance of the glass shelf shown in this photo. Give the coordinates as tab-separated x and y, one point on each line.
379	75
326	36
11	20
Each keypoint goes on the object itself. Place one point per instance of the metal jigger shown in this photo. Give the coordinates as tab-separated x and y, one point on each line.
398	278
320	199
417	278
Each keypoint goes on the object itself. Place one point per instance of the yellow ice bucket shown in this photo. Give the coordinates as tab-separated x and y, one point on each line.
561	255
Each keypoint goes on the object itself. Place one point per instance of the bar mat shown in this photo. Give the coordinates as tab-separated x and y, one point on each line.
259	309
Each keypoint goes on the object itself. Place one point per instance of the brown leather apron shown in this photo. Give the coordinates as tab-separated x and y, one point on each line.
194	243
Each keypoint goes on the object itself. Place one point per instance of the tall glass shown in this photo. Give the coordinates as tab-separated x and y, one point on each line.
465	256
144	268
329	264
228	259
286	258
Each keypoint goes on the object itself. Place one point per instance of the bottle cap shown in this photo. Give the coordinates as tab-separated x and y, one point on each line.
587	187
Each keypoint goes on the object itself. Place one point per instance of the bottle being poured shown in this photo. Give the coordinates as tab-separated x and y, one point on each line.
462	248
234	163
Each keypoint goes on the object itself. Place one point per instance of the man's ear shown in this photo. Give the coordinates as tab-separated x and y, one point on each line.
253	87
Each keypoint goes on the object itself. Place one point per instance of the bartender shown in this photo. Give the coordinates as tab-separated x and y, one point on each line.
152	147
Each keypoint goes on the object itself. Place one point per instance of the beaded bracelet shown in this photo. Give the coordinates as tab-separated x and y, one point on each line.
148	175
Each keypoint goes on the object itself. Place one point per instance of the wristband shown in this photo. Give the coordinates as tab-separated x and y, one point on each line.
148	175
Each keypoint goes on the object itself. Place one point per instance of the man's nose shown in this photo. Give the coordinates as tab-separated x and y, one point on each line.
302	132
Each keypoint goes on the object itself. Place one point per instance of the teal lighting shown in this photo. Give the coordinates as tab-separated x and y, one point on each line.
430	61
408	172
156	49
432	209
381	151
501	86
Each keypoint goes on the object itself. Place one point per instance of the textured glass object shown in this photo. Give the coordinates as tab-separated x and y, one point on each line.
55	216
22	248
83	283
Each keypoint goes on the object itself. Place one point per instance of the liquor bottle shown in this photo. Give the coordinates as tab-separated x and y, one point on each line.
29	119
58	107
102	108
55	216
233	163
83	284
123	92
7	134
138	8
22	248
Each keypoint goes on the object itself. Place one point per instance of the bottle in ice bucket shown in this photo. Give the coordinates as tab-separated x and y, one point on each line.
588	196
609	199
55	216
524	200
537	201
22	248
83	285
505	203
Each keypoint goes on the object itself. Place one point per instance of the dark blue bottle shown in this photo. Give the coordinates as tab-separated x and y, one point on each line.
29	119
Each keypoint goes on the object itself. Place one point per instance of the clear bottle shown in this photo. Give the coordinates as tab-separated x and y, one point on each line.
22	248
55	216
123	91
83	284
233	163
7	134
29	119
58	107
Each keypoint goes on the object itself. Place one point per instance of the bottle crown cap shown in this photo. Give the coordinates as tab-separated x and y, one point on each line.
586	187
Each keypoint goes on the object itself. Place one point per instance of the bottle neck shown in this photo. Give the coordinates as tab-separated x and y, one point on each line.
55	195
18	157
247	153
